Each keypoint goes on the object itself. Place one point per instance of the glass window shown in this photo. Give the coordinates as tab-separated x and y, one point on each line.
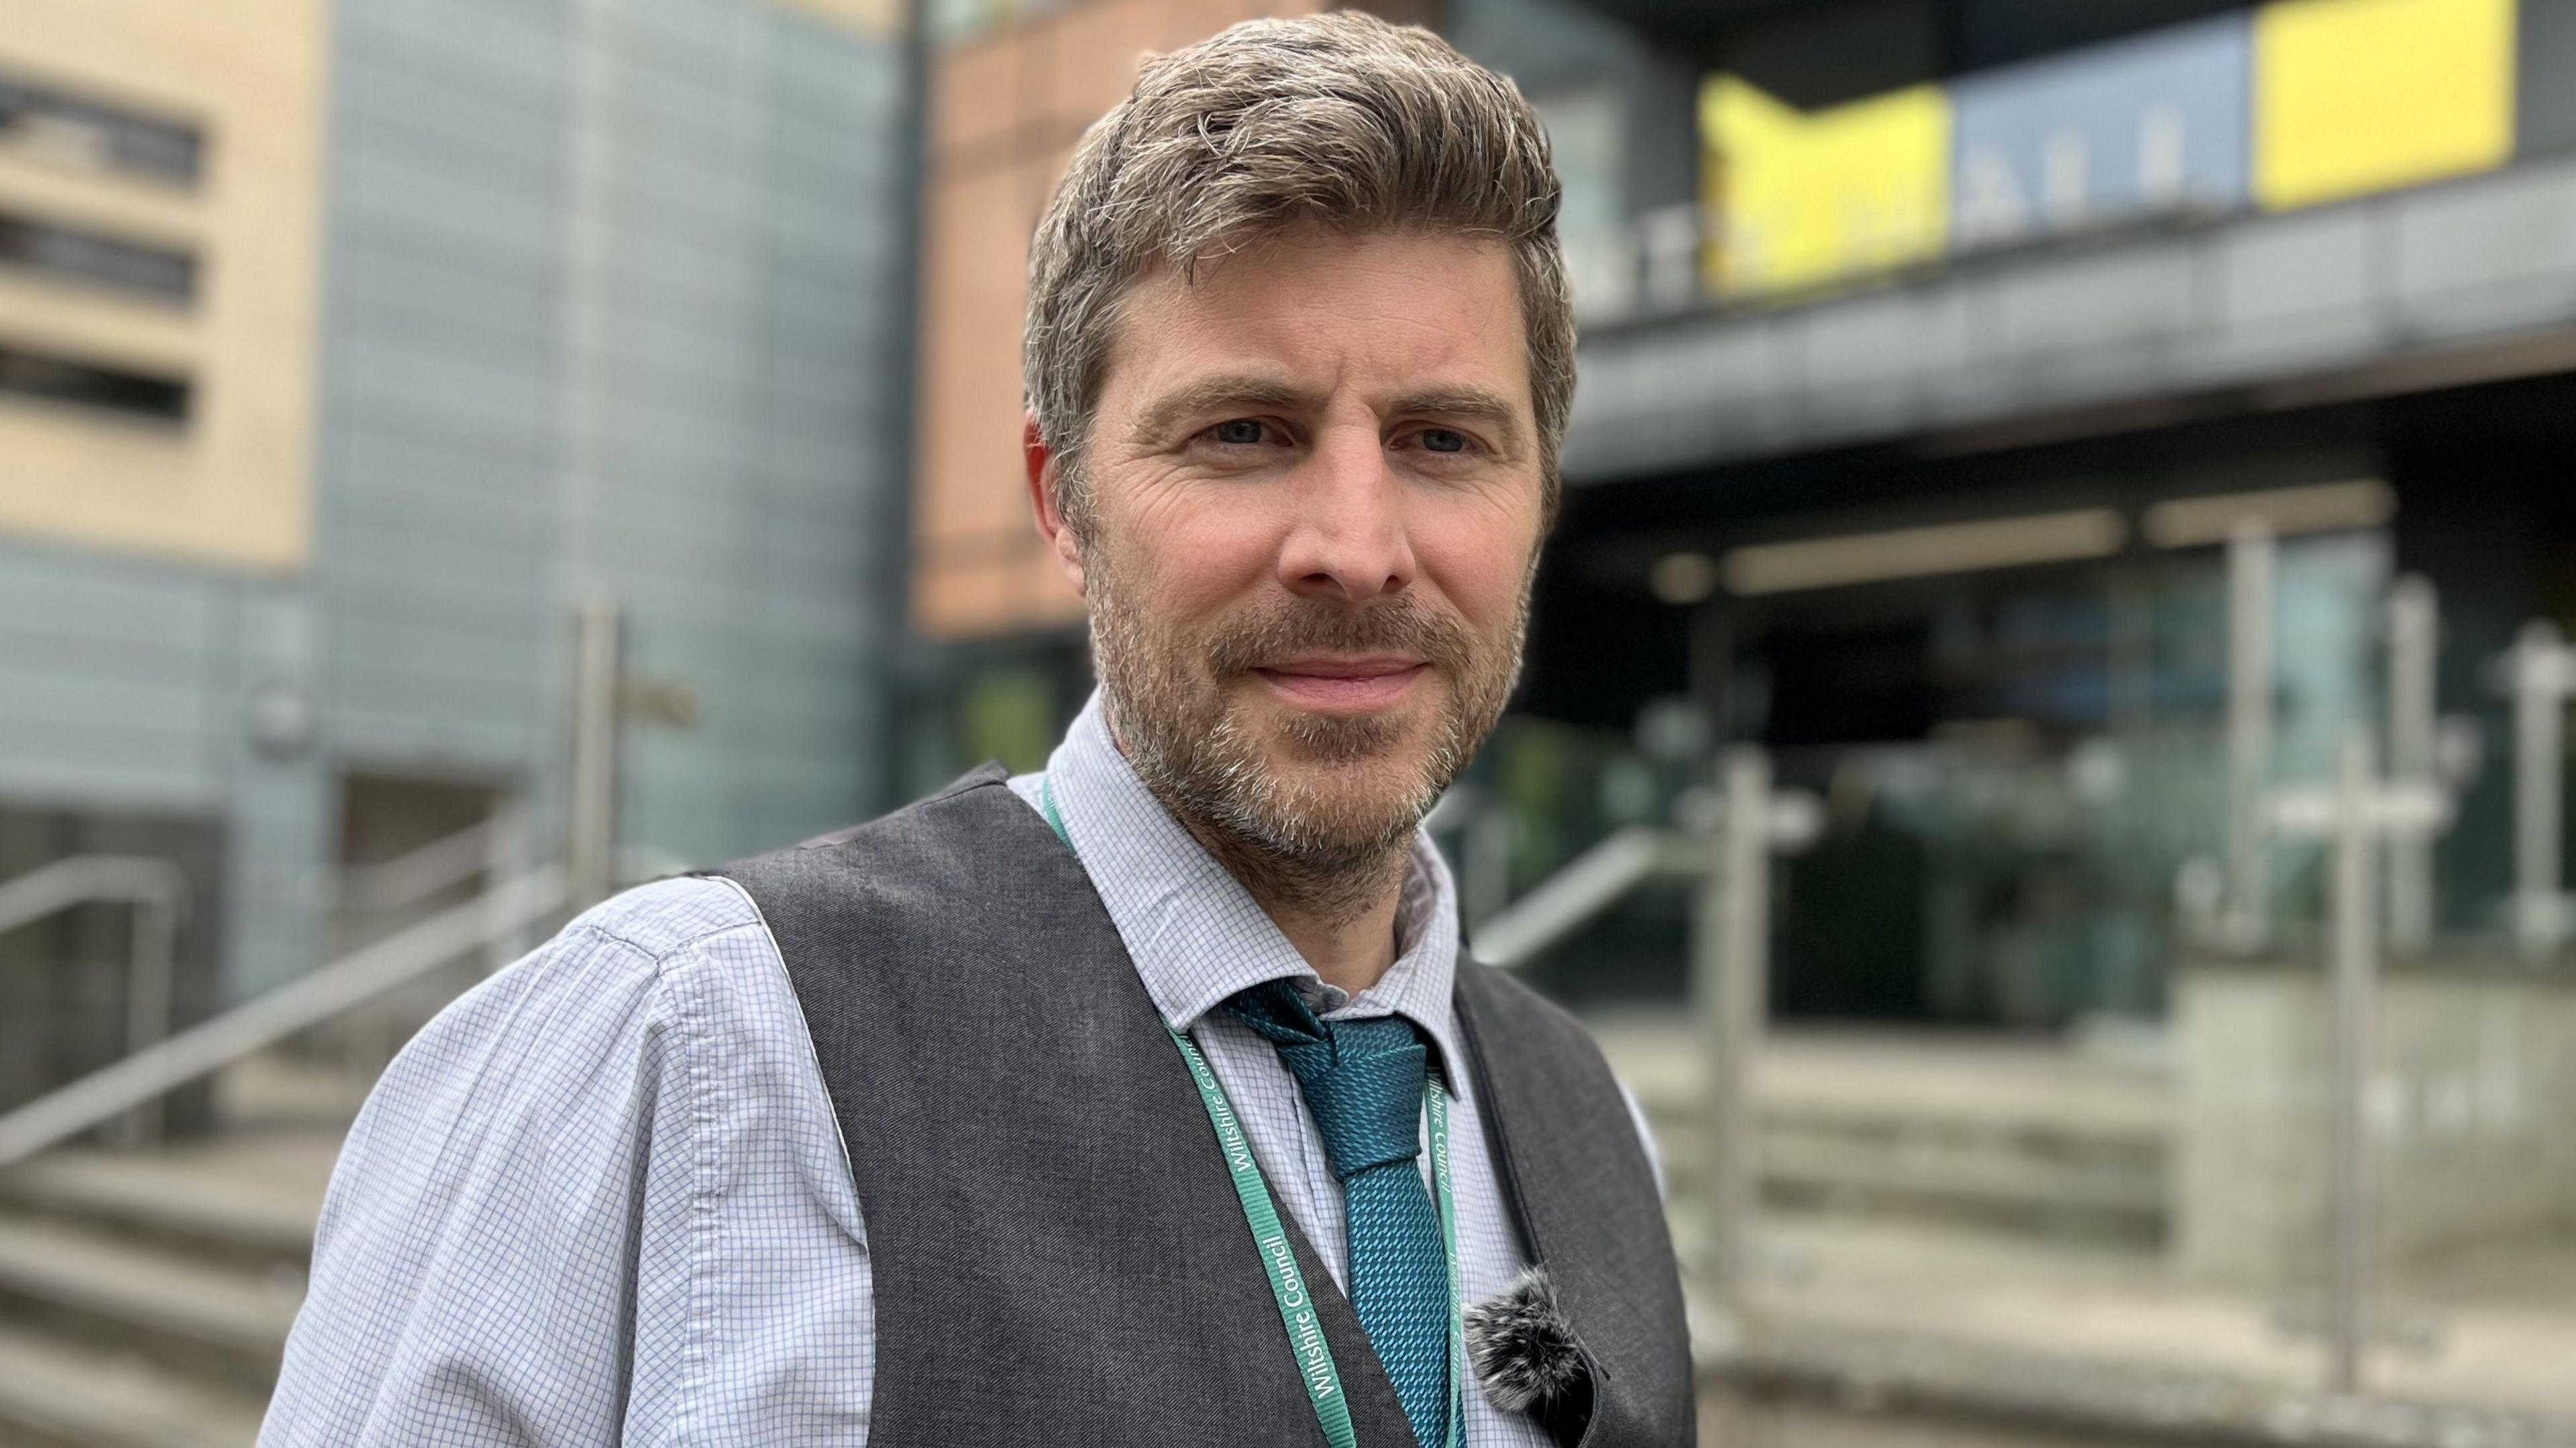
68	130
76	254
111	389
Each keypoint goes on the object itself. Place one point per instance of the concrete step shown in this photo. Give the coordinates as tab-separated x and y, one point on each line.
164	1200
145	1295
65	1394
2119	1184
201	1318
1998	1192
2012	1135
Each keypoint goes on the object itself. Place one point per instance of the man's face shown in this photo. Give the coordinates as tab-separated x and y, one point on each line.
1313	508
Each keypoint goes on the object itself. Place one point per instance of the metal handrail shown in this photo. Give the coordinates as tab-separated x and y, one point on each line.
158	891
417	874
355	979
1585	887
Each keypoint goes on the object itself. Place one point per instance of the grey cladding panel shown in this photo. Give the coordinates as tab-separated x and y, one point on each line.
112	668
470	389
2545	100
694	382
442	421
484	43
512	301
83	596
486	663
2294	271
417	117
2476	235
2258	298
477	330
429	200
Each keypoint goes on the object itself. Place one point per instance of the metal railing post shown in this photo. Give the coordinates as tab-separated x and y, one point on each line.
2541	672
158	892
1725	850
2252	584
506	856
2356	981
2351	815
2414	638
1733	931
1485	863
598	668
149	1001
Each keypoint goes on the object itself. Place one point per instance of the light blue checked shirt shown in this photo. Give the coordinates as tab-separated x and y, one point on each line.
602	1199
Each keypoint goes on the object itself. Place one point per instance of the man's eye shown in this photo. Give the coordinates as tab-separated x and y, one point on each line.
1443	440
1238	432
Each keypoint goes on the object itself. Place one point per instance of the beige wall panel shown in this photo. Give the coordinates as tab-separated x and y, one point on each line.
30	185
1046	598
968	461
974	97
969	601
89	476
1097	49
232	485
1020	590
1039	175
98	326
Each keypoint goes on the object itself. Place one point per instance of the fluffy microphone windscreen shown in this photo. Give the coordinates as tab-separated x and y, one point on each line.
1523	1351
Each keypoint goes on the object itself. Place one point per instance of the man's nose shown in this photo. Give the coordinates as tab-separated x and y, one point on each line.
1347	543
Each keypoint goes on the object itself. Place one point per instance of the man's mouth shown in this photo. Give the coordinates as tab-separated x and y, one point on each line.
1333	684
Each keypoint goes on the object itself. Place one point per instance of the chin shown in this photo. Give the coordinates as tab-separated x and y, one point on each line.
1348	793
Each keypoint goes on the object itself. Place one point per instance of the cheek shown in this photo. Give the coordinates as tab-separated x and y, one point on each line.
1480	572
1194	561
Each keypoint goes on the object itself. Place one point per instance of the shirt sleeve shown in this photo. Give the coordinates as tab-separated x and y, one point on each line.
471	1279
600	1199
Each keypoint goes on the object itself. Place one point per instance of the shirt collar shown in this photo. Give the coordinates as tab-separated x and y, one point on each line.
1197	936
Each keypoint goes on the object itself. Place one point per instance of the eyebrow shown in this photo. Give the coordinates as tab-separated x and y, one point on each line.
1474	404
1216	394
1211	394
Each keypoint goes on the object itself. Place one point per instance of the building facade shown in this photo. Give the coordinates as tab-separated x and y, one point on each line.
1932	351
2003	321
347	345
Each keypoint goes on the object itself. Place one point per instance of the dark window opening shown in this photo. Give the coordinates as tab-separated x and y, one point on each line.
88	256
84	384
98	137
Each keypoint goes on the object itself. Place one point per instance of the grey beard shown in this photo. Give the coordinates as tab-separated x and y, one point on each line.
1195	758
1333	879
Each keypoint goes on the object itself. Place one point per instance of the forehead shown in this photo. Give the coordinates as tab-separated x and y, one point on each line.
1371	312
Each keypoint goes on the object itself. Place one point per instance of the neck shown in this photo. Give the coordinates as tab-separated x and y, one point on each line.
1338	910
1339	914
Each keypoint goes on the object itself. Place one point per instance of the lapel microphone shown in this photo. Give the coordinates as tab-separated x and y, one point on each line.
1525	1357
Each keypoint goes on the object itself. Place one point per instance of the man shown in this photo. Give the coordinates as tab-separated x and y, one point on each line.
1145	1100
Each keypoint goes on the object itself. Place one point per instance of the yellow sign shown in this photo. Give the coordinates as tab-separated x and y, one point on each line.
2357	96
1807	198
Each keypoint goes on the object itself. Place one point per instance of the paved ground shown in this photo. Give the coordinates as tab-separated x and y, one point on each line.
2496	1328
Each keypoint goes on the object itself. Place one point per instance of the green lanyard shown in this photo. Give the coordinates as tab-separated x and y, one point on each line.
1288	1285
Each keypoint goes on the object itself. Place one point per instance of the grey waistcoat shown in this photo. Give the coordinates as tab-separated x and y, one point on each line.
1057	1251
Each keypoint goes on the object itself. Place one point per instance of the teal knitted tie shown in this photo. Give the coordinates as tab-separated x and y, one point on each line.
1362	1081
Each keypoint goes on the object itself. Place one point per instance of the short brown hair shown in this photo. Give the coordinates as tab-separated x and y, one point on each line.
1338	120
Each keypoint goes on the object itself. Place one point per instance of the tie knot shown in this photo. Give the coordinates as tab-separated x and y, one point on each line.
1362	1080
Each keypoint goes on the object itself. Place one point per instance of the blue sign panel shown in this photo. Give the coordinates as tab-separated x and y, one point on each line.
2155	124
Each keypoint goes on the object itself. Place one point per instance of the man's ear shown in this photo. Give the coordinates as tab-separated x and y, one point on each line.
1044	475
